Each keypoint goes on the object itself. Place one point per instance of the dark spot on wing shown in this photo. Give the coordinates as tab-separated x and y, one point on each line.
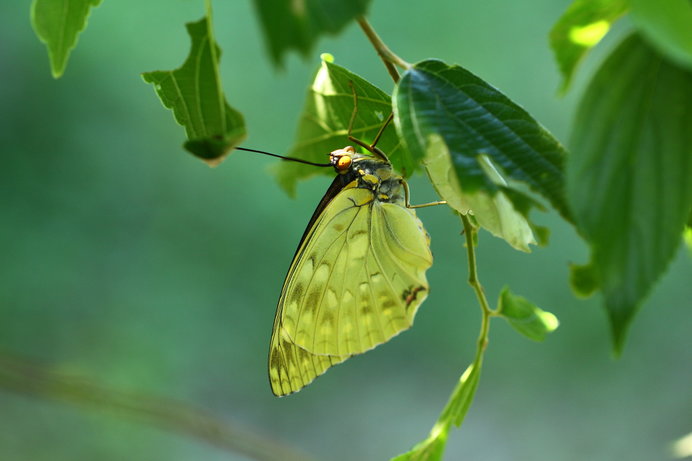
409	295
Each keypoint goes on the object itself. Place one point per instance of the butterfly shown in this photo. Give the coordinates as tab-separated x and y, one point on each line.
358	275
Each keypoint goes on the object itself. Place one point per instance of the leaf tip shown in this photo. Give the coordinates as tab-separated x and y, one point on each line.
620	319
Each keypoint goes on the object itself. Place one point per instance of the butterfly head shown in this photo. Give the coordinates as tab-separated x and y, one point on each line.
342	159
347	159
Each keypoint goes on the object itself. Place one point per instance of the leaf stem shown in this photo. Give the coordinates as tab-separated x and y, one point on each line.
388	57
472	374
461	398
487	311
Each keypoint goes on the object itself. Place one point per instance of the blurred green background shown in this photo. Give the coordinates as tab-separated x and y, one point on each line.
127	261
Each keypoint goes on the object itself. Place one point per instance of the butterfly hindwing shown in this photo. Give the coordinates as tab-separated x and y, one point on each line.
356	280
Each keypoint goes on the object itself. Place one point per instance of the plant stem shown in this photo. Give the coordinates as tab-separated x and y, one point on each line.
486	311
388	57
37	380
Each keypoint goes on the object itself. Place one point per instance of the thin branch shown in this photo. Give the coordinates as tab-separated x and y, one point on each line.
25	377
487	312
388	57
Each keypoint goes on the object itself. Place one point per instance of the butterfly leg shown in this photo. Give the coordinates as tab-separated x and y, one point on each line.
369	147
407	196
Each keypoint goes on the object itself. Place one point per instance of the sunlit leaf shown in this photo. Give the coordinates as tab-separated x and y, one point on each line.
668	26
688	239
525	317
629	174
682	447
57	23
297	24
194	93
485	133
324	123
494	213
579	29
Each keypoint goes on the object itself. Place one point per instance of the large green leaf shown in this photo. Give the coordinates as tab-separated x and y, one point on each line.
485	134
195	95
324	122
629	176
57	23
291	24
668	25
579	29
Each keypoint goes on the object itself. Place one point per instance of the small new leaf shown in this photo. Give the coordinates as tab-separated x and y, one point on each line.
194	93
579	29
493	144
290	24
324	122
432	448
57	23
629	174
525	317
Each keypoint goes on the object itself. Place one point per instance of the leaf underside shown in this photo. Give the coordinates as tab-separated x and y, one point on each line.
629	175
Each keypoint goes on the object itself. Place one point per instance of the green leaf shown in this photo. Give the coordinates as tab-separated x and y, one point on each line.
194	93
494	213
687	236
57	23
484	132
629	173
432	448
579	29
668	25
290	24
324	123
525	317
583	280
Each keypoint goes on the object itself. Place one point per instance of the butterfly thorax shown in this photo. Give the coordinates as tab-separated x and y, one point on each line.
368	172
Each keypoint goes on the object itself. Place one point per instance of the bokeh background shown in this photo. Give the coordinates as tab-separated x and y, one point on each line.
127	262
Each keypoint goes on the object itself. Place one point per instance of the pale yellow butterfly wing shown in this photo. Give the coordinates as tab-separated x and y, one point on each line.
357	280
291	367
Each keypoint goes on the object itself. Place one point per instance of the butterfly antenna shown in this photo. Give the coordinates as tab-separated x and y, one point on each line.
288	159
370	147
